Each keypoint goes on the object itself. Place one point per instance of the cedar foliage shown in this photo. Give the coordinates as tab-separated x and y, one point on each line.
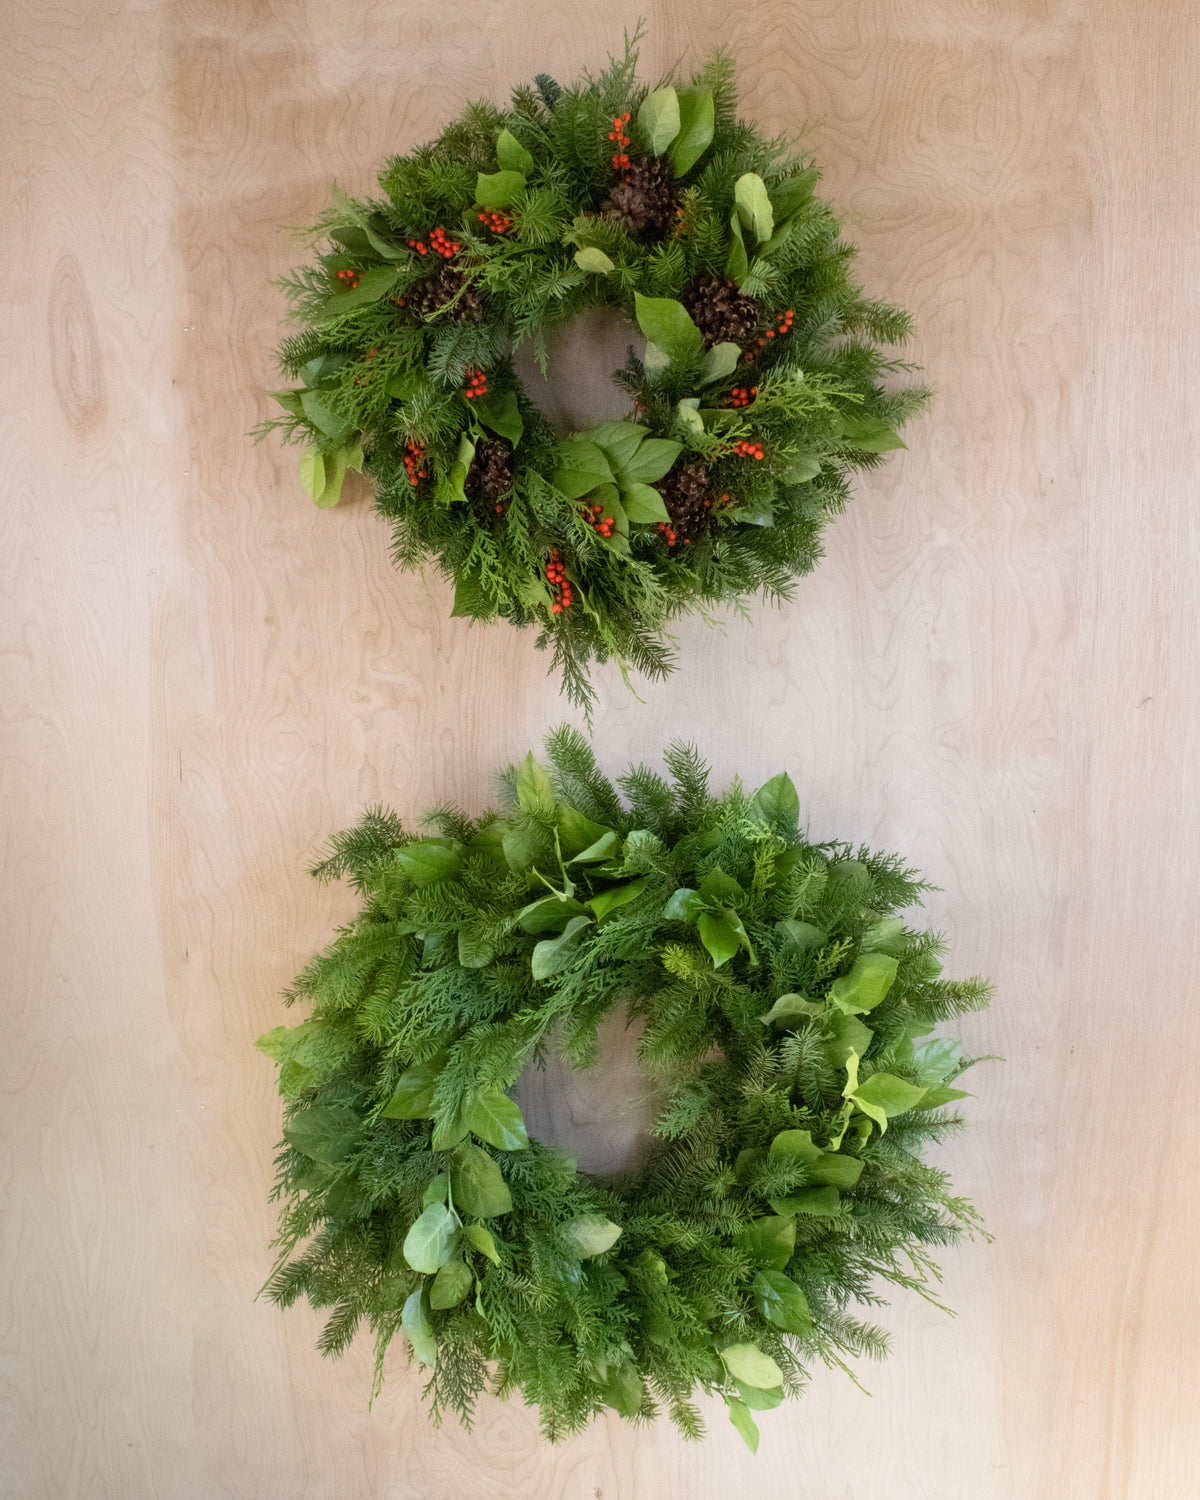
392	335
788	1015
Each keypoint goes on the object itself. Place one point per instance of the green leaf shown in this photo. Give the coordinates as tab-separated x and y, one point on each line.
787	197
934	1060
781	1302
720	361
668	324
939	1094
511	155
734	921
659	120
323	417
650	462
719	937
348	1199
866	984
848	1035
883	1095
549	914
696	124
836	1170
622	1389
429	1241
591	259
617	895
520	849
482	1240
801	468
688	418
757	510
607	846
655	360
535	790
871	434
474	950
747	1363
498	189
290	401
720	888
802	935
583	467
448	1131
327	1133
619	441
274	1041
554	954
437	1189
777	804
737	262
471	599
770	1241
413	1099
477	1184
643	505
758	1400
754	206
885	936
373	284
428	863
386	248
795	1145
740	1416
499	412
590	1235
684	904
791	1010
312	473
822	1202
495	1118
450	1285
576	833
415	1323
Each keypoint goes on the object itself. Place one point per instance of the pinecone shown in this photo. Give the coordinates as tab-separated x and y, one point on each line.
489	477
685	494
429	296
722	313
646	198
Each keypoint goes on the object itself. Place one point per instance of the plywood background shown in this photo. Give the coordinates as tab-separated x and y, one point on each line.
994	671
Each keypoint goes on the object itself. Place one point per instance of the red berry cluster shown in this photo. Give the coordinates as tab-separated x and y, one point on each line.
438	243
498	223
620	159
476	382
742	395
665	528
784	326
749	450
349	279
556	577
601	524
414	457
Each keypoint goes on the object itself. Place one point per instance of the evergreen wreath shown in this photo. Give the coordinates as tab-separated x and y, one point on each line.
788	1014
760	389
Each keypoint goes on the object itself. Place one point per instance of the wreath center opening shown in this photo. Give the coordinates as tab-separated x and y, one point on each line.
577	391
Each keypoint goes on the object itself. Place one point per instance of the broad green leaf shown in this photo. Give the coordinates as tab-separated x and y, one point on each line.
413	1098
335	474
348	1199
643	505
290	401
791	1010
583	467
273	1042
822	1202
787	197
871	434
312	473
885	936
848	1035
894	1096
323	417
850	873
684	904
866	984
668	324
482	1240
415	1323
354	457
474	950
448	1131
770	1241
696	123
499	412
471	599
575	832
801	469
622	1389
429	1241
406	385
477	1184
591	259
590	1235
495	1118
720	888
450	488
655	360
451	1284
327	1133
837	1171
740	1416
933	1061
428	863
777	803
802	935
619	441
554	954
498	189
747	1163
747	1363
758	1400
617	895
755	510
607	846
718	937
735	922
939	1094
720	361
659	120
781	1302
436	1192
754	206
535	790
793	1145
549	914
688	418
520	849
737	262
511	155
373	284
386	248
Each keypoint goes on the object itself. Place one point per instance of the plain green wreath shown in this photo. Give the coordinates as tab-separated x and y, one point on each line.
788	1015
758	384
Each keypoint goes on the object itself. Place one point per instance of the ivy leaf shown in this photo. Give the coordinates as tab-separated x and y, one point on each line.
747	1363
737	262
822	1202
866	984
535	790
415	1323
477	1184
495	1118
482	1240
718	937
512	156
668	324
777	804
721	360
696	124
450	1285
781	1302
871	434
554	954
754	205
591	259
327	1133
740	1416
802	935
428	863
769	1241
498	189
659	120
430	1239
643	505
413	1098
312	473
615	896
499	412
590	1235
650	462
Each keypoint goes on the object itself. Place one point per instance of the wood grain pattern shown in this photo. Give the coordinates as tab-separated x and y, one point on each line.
994	670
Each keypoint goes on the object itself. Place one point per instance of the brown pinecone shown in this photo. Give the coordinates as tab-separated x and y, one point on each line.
722	313
432	294
685	494
646	198
489	478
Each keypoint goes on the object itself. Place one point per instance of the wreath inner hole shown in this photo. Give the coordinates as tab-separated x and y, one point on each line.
578	392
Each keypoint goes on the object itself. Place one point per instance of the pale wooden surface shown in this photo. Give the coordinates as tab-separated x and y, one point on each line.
994	671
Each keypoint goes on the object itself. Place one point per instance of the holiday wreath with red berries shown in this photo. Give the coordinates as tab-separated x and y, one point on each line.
758	383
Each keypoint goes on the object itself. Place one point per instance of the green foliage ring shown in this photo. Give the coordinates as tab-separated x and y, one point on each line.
788	1014
760	389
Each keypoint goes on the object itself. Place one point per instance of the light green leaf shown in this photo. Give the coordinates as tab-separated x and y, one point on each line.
758	1400
622	1389
754	206
290	401
535	790
720	361
734	921
327	1133
848	1035
323	417
413	1098
618	895
866	984
801	468
554	954
335	474
591	259
740	1416
436	1192
520	849
619	441
793	1145
719	937
495	1118
787	197
477	1184
655	360
549	914
720	888
498	189
737	262
747	1363
770	1241
688	418
683	905
885	936
791	1010
696	123
590	1235
934	1060
429	1241
668	324
415	1323
312	473
894	1096
939	1094
607	846
576	833
650	462
802	935
450	1285
871	434
836	1170
659	120
482	1240
448	1131
822	1202
428	863
583	468
386	248
777	804
373	284
273	1042
643	505
511	155
499	412
781	1302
